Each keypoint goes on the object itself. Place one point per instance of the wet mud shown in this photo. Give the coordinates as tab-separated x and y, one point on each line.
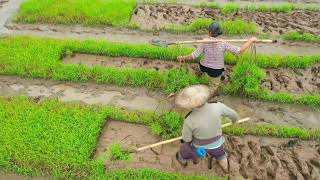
293	80
86	93
2	2
249	157
141	99
298	81
159	16
125	62
9	176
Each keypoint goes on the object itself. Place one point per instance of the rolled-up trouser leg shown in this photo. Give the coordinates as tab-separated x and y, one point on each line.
214	83
188	152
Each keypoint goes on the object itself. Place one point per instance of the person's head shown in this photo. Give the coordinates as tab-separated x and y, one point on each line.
192	97
215	30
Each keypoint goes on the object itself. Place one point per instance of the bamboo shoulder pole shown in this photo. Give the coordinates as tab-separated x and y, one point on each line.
179	138
225	40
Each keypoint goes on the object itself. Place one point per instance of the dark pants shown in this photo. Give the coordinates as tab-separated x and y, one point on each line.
212	72
187	151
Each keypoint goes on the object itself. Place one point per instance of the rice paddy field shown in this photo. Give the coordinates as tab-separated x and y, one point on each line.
80	85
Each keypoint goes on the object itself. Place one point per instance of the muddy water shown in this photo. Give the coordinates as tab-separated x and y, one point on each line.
87	93
270	113
140	99
8	10
249	157
2	2
159	16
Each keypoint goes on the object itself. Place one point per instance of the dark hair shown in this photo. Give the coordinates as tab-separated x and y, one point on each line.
215	29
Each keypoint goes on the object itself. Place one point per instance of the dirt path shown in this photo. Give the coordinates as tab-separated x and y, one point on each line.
158	16
249	157
140	99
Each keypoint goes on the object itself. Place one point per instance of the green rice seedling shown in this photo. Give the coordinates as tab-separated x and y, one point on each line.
199	25
178	79
154	174
206	4
230	27
284	8
86	12
230	8
117	153
246	79
302	37
169	125
238	27
311	8
158	1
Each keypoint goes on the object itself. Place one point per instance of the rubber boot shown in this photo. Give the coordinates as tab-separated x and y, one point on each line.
182	162
224	165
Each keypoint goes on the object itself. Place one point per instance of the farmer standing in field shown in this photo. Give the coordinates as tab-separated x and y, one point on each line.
213	60
202	127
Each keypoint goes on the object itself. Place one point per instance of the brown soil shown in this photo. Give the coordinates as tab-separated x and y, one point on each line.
249	157
293	80
277	80
6	176
2	2
158	16
125	62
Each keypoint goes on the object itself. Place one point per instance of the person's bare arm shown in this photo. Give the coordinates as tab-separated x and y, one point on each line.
194	55
183	58
246	45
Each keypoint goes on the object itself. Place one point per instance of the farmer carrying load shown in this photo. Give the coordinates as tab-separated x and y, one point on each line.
202	127
213	60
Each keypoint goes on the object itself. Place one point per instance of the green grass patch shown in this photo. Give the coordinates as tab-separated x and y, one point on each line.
302	37
230	8
274	131
206	4
116	152
86	12
146	174
48	137
284	8
230	27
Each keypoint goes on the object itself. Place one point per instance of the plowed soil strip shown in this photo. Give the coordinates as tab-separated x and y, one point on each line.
249	157
158	16
278	80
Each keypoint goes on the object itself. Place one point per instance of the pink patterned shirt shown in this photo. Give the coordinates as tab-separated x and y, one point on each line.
214	54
